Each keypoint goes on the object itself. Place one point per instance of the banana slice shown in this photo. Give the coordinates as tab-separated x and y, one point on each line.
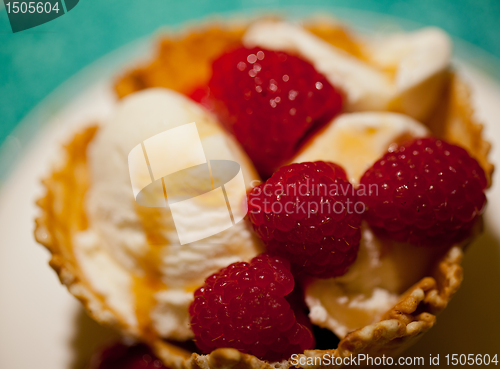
419	61
357	140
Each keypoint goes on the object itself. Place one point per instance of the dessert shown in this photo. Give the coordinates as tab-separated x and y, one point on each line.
128	266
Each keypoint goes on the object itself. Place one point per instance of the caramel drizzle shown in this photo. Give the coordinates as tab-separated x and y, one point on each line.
150	281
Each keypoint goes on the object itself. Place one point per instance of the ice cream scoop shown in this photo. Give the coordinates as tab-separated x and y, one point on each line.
131	253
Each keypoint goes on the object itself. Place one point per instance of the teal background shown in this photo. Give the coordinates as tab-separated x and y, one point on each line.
35	61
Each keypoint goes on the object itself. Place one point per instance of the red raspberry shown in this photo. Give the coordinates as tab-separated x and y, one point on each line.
307	213
243	306
121	356
270	100
425	192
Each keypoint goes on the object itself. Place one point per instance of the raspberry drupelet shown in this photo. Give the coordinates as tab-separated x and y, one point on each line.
426	192
243	306
307	214
269	100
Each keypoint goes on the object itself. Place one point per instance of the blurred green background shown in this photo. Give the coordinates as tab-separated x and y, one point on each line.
35	61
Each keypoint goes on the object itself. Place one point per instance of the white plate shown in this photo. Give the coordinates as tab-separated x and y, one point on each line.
43	326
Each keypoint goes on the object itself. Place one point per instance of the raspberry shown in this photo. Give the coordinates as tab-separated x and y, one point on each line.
426	192
270	100
306	213
243	306
121	356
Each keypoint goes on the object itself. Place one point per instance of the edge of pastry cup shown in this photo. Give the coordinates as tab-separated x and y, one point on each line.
58	221
62	214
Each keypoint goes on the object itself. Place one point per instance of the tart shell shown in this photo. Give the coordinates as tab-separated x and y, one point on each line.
62	214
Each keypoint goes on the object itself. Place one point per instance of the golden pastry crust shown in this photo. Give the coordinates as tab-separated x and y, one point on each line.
63	213
454	121
182	63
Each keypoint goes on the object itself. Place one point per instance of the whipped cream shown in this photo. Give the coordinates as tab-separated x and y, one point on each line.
407	79
125	241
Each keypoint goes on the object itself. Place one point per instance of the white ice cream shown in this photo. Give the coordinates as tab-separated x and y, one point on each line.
115	250
373	284
382	270
403	72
